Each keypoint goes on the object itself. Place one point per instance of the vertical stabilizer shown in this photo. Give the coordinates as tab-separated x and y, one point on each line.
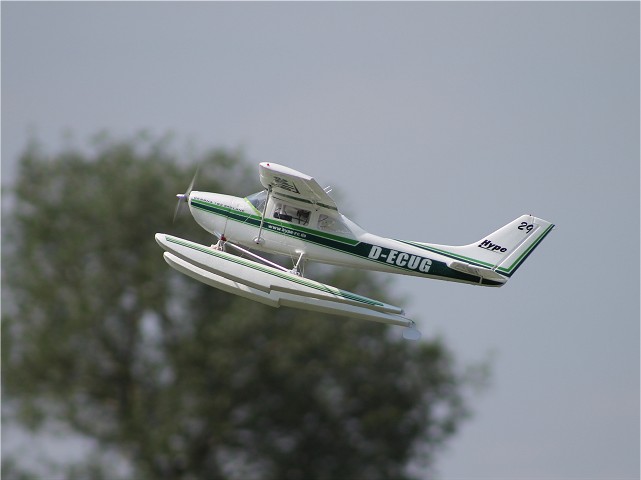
504	250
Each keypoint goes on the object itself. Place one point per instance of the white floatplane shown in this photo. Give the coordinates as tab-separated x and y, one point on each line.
294	216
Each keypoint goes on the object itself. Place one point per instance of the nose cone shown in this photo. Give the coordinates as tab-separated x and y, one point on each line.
211	210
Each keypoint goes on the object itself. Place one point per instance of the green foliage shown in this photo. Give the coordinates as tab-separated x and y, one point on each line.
182	380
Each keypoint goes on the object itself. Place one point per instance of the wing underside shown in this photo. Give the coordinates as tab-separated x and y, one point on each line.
286	182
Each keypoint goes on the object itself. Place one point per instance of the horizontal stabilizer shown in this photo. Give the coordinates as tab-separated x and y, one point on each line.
270	286
478	271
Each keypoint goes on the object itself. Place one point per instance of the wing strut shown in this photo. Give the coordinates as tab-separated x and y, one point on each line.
258	240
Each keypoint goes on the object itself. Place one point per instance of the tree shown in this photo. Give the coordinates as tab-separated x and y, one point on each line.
181	380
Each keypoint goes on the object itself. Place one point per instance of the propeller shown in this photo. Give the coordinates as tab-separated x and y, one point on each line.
184	197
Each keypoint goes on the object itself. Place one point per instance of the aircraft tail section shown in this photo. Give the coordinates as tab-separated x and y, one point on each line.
501	252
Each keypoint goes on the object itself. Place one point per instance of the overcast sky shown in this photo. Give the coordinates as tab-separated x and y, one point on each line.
438	122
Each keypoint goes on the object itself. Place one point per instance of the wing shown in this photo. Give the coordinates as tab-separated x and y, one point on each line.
289	183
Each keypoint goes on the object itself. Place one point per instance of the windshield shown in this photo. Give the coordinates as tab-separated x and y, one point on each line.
332	224
258	200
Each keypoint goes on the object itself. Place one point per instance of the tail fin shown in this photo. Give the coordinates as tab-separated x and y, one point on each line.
505	250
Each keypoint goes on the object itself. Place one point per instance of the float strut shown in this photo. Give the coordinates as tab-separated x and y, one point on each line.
296	269
221	244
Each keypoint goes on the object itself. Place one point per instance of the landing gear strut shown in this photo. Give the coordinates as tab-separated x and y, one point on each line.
298	267
220	246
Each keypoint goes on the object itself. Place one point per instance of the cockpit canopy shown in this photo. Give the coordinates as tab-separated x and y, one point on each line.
285	211
258	200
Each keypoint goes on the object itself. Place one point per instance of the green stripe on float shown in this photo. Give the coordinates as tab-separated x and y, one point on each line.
293	278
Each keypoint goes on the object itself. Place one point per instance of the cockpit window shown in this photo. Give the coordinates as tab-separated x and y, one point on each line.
292	214
332	224
258	200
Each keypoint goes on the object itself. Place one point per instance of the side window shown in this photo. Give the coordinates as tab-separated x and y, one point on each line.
291	214
258	200
332	224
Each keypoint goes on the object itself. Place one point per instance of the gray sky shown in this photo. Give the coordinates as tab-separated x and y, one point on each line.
439	122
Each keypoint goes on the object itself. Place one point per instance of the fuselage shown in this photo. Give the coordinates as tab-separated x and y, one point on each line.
291	227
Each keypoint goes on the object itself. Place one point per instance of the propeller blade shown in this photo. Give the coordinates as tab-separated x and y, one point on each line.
184	197
193	180
177	209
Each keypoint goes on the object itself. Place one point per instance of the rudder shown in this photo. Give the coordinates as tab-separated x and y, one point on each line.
504	250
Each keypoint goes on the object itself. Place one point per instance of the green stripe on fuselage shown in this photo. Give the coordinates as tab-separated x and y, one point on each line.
254	220
449	254
344	245
507	271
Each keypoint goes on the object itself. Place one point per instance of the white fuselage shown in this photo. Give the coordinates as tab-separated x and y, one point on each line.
292	228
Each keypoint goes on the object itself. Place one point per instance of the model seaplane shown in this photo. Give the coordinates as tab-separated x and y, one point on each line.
295	217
